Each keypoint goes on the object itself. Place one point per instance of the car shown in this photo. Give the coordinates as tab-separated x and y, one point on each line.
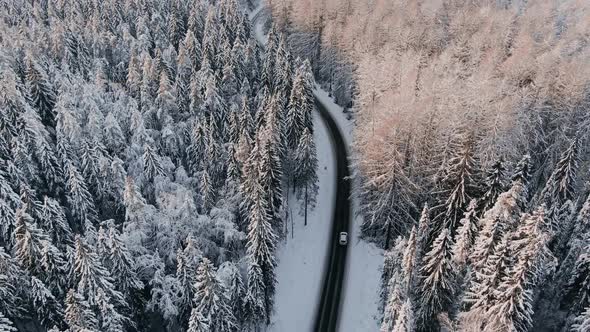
343	238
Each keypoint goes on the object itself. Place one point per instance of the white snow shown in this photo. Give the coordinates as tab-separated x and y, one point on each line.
301	261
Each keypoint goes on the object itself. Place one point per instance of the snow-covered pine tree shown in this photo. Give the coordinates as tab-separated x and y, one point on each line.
578	285
110	320
5	324
211	37
235	290
300	105
207	192
305	172
268	61
48	309
165	101
40	90
561	184
465	235
405	319
90	276
271	169
80	201
198	323
166	293
582	322
261	238
423	232
196	148
121	265
494	186
78	314
437	279
255	310
210	300
151	163
500	219
459	184
29	242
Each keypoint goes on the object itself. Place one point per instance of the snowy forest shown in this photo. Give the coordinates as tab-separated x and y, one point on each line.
472	124
147	151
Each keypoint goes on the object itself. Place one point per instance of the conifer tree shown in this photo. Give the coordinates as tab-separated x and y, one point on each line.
494	183
254	305
90	276
198	323
465	235
121	264
560	185
151	163
40	90
29	242
80	201
261	238
207	192
48	309
300	105
210	300
5	324
306	166
582	322
78	314
235	291
437	279
459	182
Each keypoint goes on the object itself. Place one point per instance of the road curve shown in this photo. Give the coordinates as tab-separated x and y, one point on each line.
329	307
326	319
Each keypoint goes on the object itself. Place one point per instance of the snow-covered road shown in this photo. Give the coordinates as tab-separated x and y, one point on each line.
302	260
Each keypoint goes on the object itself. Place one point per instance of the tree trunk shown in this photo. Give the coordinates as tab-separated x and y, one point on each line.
387	235
305	222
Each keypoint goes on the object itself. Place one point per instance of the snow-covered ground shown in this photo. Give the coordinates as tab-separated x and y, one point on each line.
303	258
301	261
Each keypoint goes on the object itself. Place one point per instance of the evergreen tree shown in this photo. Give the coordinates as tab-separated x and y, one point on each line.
300	106
40	90
578	285
465	235
261	239
80	202
48	309
207	192
235	290
90	276
121	264
151	163
198	323
522	171
306	166
29	242
494	183
560	185
210	300
582	322
405	319
436	279
254	305
458	185
78	314
5	324
53	221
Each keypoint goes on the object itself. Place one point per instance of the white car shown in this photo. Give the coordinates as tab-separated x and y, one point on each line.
343	238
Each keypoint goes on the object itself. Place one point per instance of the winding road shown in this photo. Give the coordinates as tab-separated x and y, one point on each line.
326	319
329	308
